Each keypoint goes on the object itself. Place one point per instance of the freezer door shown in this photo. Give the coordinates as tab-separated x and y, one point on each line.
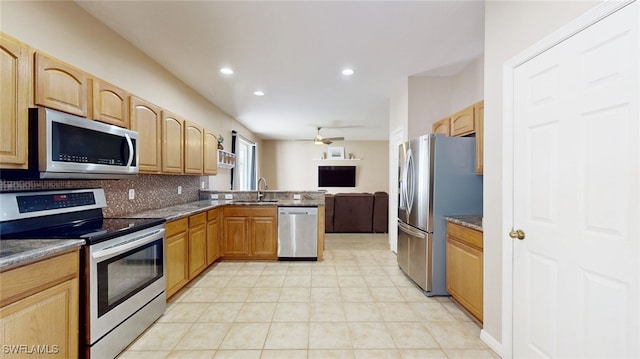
415	243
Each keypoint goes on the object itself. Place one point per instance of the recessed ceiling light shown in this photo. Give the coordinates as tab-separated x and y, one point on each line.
347	72
258	93
226	71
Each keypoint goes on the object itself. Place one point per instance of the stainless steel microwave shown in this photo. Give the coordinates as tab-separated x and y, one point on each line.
64	146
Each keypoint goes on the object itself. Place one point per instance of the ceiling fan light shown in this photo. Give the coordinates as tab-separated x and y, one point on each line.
318	142
226	71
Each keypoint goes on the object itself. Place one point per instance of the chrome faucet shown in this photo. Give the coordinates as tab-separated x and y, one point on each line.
260	195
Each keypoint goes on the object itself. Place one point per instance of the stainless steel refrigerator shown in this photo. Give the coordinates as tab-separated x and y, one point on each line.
437	178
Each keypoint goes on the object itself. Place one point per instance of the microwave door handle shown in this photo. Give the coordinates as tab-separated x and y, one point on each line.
131	154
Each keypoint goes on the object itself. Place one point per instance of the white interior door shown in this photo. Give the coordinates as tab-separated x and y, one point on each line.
576	195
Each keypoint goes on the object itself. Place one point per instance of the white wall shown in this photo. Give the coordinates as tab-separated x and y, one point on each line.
510	27
293	165
65	31
433	98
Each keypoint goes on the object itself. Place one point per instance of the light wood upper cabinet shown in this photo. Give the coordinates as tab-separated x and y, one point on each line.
462	122
479	125
15	85
441	126
40	306
193	148
210	153
60	86
464	267
145	119
172	143
109	104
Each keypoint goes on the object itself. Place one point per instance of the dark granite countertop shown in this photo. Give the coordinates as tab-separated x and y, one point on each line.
15	253
473	222
18	252
187	209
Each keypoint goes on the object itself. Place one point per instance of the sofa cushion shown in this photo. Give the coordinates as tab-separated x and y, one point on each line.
328	213
380	212
353	212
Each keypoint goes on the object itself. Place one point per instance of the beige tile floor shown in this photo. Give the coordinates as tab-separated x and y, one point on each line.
354	304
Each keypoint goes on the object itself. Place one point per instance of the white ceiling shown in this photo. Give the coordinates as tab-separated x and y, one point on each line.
294	51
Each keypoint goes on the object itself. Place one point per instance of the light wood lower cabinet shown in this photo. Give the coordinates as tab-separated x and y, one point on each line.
250	232
197	244
39	308
177	256
213	235
464	267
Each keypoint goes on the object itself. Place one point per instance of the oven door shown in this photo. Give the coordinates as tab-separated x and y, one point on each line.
125	273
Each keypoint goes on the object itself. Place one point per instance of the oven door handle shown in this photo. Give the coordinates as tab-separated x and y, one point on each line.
130	244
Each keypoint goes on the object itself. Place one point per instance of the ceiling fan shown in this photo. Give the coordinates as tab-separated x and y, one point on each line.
319	140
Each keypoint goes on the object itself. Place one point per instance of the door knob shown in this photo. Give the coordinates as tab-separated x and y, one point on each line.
517	233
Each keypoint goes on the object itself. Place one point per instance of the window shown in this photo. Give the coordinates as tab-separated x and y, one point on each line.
244	173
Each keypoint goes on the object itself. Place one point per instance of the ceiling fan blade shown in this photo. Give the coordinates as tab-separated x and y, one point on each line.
335	138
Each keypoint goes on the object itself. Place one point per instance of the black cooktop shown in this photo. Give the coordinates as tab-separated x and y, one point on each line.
91	227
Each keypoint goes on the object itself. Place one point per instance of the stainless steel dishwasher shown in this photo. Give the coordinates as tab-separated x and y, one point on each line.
298	233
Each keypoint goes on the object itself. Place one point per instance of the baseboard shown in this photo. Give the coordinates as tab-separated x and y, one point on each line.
491	342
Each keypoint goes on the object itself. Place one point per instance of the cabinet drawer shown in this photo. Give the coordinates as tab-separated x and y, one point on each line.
176	226
21	282
212	214
465	235
251	211
197	220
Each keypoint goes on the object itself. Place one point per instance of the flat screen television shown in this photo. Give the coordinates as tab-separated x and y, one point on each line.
336	176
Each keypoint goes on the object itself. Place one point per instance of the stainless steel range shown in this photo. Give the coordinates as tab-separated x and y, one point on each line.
123	272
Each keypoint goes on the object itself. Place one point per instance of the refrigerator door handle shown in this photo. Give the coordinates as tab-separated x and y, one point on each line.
408	179
411	231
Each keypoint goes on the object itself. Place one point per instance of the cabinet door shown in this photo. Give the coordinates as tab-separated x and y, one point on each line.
263	237
210	153
462	122
177	262
441	126
110	104
15	82
60	86
172	143
213	235
49	317
479	118
145	118
193	159
464	275
197	244
235	236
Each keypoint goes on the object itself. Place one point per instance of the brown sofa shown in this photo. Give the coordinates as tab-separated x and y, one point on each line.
356	212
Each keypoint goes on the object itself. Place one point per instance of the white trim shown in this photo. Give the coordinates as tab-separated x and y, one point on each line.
396	138
589	18
489	340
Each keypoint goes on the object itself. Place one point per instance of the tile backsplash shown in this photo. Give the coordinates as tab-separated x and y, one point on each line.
151	191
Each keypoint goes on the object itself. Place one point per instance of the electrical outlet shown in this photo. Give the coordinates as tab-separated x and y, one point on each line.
179	189
228	196
296	196
202	184
214	196
132	193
